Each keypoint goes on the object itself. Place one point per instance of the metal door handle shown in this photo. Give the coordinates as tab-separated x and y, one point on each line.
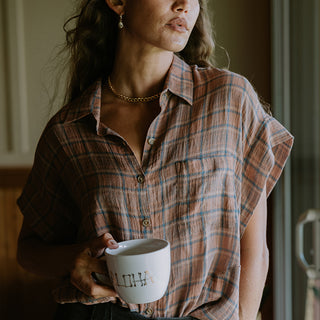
310	216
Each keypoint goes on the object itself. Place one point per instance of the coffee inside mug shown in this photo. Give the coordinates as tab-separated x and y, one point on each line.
137	247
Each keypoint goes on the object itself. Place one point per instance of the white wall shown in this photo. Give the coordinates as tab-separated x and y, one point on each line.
30	31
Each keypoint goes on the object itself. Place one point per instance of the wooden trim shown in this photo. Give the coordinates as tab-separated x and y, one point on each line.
13	177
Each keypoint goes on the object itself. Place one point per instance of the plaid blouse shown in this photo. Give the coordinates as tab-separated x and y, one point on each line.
208	156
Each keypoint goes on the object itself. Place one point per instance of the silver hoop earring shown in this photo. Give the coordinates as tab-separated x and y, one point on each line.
120	24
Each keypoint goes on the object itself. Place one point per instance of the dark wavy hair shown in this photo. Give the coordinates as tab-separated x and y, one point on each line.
91	37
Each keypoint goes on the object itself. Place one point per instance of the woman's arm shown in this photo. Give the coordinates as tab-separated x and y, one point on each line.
254	261
77	261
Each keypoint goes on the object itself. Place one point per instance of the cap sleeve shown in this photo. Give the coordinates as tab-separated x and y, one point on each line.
45	202
266	148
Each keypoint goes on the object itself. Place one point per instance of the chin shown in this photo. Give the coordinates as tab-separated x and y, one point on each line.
177	46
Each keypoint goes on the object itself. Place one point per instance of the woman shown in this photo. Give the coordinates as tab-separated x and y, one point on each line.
153	145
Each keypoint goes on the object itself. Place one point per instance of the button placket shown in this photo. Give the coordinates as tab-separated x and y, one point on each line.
140	179
149	311
146	222
151	141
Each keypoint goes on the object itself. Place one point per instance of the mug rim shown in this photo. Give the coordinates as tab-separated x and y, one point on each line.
115	252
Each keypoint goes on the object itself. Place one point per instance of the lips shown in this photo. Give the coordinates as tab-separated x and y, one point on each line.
178	24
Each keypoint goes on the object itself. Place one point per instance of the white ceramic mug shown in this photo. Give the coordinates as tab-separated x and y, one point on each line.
139	269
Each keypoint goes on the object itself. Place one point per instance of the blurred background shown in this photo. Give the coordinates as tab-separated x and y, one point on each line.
274	43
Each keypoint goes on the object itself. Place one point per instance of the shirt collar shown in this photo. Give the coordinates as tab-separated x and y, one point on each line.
89	103
179	81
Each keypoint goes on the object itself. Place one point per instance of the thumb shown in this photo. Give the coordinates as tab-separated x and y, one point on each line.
100	243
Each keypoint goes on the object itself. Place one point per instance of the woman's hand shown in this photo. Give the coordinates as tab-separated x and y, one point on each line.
87	262
78	261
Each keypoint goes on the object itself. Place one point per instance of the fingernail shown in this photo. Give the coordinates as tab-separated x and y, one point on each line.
113	242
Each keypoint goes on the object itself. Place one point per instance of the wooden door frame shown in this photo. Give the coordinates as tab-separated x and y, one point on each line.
280	37
287	37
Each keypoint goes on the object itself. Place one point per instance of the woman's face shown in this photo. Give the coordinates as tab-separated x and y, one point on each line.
165	24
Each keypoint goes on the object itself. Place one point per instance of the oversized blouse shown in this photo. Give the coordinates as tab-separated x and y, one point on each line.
207	158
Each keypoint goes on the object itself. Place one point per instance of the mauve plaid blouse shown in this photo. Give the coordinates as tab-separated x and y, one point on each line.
207	157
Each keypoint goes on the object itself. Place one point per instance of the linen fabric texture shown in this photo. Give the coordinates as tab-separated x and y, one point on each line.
207	158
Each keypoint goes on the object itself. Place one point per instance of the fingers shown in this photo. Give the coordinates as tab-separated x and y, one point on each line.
81	277
99	244
98	266
86	264
88	286
111	243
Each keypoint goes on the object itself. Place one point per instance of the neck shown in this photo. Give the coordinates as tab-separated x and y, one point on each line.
140	72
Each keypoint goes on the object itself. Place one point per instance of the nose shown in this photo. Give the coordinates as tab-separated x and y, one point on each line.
181	6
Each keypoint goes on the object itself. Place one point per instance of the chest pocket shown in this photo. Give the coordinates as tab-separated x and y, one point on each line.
206	195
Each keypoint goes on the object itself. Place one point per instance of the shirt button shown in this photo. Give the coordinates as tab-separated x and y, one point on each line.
149	311
140	178
151	141
146	223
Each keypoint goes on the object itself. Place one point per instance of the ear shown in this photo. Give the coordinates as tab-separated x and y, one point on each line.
116	5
